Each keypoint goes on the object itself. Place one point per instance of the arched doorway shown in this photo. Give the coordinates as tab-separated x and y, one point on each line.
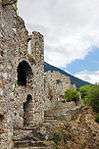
24	73
26	109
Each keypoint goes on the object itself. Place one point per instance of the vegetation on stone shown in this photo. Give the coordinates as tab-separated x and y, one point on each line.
56	137
71	95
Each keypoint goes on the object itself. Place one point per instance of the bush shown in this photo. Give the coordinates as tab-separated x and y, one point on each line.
97	118
56	137
71	95
84	90
90	96
94	98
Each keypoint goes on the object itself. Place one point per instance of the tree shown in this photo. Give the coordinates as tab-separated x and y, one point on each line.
84	90
94	98
90	96
71	95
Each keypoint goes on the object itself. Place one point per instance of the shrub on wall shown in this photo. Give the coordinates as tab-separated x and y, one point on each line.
56	137
71	95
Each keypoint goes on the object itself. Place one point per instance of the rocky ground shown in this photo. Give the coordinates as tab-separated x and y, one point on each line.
66	126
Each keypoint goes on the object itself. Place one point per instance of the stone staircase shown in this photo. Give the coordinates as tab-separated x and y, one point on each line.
40	137
31	138
62	112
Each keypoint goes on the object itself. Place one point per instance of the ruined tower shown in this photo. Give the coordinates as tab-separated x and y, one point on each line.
21	74
29	85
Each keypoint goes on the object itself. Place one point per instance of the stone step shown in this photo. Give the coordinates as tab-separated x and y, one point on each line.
28	144
56	113
61	113
35	135
49	118
21	134
50	121
34	148
39	133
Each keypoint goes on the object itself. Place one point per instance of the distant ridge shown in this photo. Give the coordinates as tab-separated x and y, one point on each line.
74	80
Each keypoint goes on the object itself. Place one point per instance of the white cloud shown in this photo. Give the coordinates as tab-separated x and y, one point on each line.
70	27
90	76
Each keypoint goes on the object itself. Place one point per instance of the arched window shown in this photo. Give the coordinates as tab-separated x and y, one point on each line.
24	73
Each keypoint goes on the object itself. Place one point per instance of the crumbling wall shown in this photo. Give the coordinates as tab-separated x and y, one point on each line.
56	84
7	39
32	73
22	76
14	40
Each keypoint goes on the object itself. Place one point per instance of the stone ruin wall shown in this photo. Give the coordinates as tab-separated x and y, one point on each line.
14	105
10	35
23	105
55	84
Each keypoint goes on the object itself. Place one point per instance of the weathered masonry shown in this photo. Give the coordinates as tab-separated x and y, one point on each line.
21	75
24	87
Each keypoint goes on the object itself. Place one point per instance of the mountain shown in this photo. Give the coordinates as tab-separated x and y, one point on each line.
74	80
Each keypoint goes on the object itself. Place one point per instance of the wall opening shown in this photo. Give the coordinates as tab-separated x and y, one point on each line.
59	87
50	94
1	123
1	118
58	81
24	73
26	109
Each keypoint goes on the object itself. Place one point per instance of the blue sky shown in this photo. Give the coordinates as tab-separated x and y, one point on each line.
86	69
89	63
71	33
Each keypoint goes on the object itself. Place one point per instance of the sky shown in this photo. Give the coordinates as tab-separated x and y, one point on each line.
71	33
